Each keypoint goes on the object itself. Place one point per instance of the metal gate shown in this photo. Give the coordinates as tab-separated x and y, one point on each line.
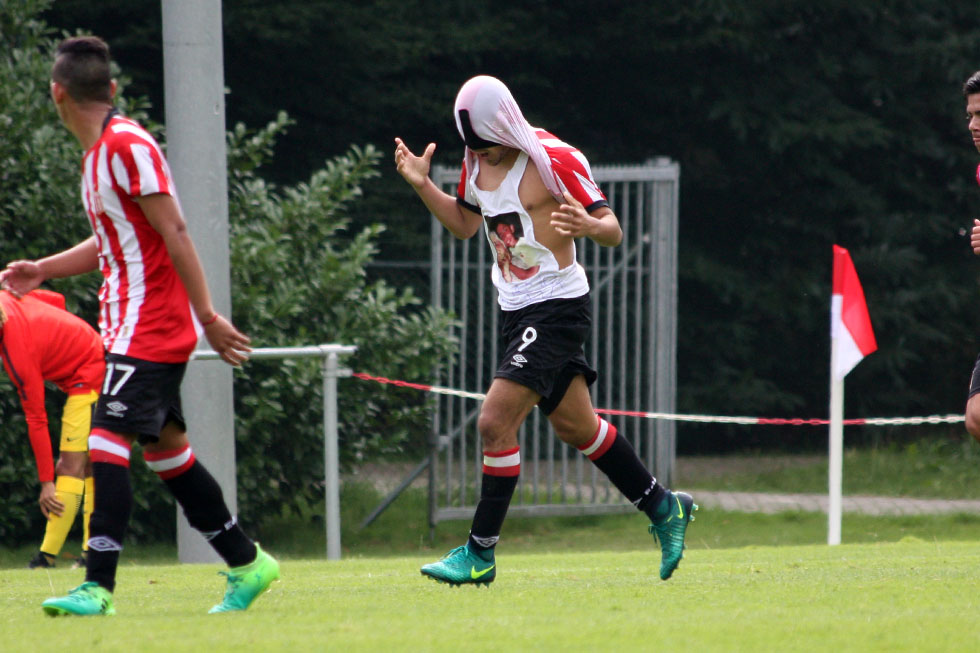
633	346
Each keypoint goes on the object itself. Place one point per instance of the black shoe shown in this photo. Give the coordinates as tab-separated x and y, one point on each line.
81	562
41	561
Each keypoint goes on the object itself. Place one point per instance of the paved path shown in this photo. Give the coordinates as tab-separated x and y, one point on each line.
773	503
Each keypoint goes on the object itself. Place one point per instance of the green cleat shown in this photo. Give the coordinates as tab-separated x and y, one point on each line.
245	583
671	529
86	599
461	565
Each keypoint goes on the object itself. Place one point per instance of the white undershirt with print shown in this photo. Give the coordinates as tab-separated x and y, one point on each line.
514	275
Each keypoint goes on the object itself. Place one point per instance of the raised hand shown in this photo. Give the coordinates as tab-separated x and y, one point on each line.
415	169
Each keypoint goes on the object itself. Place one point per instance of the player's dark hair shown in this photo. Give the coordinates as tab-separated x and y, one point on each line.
972	85
81	65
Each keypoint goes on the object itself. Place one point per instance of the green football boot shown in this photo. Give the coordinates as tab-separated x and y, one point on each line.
87	599
462	565
245	583
670	530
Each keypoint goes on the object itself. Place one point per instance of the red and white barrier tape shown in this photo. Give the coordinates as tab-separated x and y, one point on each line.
717	419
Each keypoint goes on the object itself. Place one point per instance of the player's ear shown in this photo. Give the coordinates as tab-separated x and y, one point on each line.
57	92
112	88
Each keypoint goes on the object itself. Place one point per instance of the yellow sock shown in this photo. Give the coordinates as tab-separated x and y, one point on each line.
69	491
87	510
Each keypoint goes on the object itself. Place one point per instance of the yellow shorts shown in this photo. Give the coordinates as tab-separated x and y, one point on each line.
76	421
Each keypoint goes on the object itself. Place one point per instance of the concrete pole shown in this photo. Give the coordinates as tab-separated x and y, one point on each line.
331	456
195	117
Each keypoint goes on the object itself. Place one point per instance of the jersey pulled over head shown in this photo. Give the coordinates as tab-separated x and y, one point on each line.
487	115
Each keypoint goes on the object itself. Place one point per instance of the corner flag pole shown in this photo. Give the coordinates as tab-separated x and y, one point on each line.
836	461
851	339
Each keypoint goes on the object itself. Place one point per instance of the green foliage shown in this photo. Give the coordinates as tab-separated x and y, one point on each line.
39	159
298	279
796	124
41	213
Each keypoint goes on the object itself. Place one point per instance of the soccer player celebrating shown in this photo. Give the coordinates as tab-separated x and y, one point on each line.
539	192
41	341
154	303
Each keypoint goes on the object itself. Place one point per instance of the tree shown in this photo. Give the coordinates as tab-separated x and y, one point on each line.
40	212
297	278
796	125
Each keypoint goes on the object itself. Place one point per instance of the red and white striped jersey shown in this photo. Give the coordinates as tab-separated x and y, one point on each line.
568	165
525	271
144	308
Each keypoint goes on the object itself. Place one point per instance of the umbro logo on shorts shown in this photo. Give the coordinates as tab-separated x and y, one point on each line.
117	408
518	360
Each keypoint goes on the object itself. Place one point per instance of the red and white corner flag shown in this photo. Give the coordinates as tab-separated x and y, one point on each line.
850	324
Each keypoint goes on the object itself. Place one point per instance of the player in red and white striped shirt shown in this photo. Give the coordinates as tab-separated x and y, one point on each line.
154	302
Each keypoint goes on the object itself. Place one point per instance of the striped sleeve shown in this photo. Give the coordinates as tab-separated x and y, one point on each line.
468	203
137	163
573	171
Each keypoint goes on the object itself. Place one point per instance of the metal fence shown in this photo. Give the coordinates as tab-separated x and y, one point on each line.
633	345
331	370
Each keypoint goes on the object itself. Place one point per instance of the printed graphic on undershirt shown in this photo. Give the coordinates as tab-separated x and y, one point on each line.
517	258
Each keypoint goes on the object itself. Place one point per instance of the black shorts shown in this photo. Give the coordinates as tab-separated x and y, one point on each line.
975	379
542	347
139	397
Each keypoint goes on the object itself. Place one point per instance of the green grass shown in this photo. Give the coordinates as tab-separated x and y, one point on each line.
944	468
939	467
749	582
905	596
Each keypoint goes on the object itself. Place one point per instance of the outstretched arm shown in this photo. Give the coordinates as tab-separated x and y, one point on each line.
461	222
21	277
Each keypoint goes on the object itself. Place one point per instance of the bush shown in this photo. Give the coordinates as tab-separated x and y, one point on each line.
297	279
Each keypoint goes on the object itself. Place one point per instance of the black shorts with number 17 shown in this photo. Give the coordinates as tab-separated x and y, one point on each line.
542	347
139	397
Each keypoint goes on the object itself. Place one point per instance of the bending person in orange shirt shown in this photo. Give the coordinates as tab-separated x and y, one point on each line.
41	341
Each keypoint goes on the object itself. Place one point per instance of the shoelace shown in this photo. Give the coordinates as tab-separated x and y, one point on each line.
453	552
653	531
662	539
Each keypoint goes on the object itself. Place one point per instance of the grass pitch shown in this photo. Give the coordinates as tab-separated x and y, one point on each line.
906	596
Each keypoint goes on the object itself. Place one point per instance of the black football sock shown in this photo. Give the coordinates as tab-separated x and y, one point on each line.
616	458
500	474
204	506
113	506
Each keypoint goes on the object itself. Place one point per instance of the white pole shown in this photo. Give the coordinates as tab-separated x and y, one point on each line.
195	113
835	465
331	457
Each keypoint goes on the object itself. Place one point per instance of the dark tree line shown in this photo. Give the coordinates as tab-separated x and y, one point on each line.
797	125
